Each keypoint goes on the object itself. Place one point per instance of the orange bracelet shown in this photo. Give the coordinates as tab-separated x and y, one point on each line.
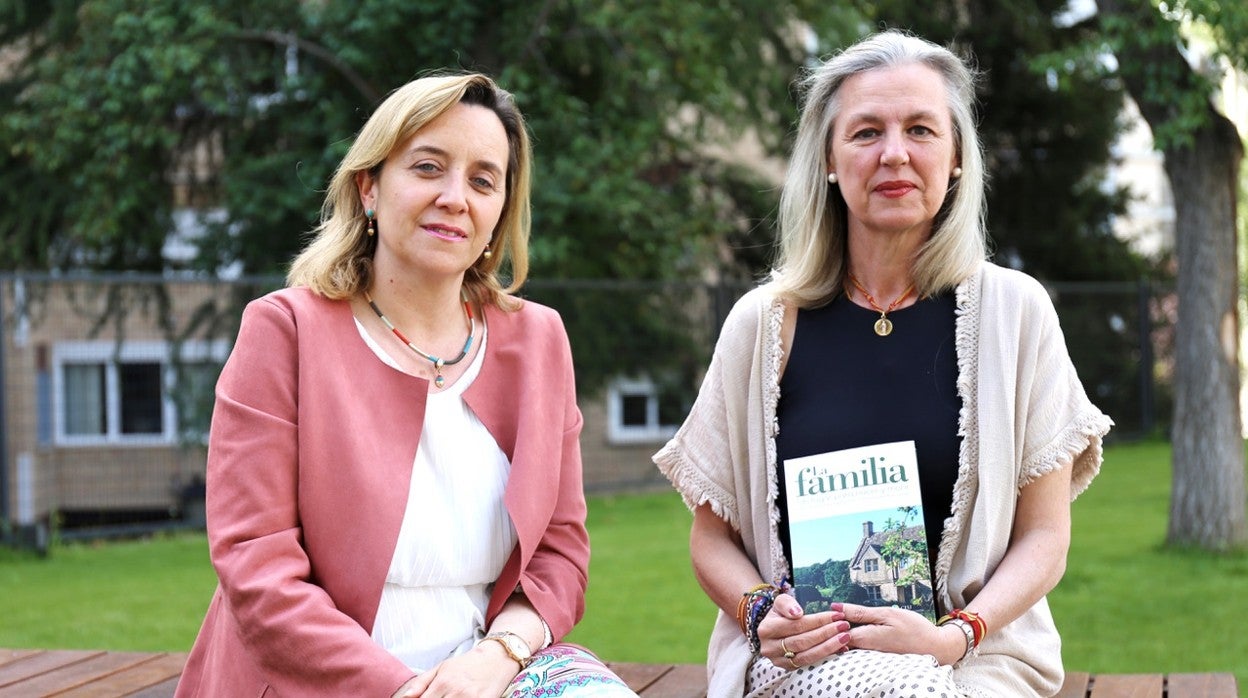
741	607
977	624
744	604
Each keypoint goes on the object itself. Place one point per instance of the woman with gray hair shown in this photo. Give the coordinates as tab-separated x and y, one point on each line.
883	323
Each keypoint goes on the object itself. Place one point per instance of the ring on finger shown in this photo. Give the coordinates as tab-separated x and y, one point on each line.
795	664
788	653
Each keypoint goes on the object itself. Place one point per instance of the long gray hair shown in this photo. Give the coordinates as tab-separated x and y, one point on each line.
810	264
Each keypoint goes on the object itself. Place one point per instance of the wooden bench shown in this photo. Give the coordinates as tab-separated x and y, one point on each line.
1212	685
689	681
102	674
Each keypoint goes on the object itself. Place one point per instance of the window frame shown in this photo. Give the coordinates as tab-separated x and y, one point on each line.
620	434
111	356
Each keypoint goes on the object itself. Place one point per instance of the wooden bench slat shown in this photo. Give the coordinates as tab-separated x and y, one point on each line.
41	662
164	689
1128	686
639	676
94	674
683	681
9	656
1201	685
75	674
152	672
1075	685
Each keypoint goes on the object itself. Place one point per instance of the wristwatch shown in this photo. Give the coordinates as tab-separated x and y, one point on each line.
514	645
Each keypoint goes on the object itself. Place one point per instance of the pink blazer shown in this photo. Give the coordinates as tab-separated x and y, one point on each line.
309	462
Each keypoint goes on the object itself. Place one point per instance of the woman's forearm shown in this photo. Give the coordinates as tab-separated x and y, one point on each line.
719	561
1036	558
518	616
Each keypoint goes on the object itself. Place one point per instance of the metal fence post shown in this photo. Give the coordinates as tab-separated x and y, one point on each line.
4	424
1144	294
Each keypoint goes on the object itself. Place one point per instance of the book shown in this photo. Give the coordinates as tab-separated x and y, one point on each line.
856	529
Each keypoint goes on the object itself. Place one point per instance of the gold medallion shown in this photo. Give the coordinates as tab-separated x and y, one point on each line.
883	326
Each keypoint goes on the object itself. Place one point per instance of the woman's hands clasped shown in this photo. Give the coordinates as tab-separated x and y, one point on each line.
484	671
792	639
902	631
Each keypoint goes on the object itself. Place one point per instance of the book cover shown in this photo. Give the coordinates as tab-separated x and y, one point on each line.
856	529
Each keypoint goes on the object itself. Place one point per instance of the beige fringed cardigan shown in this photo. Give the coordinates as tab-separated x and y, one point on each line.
1024	413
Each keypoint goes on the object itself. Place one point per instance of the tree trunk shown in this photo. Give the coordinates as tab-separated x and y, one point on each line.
1207	500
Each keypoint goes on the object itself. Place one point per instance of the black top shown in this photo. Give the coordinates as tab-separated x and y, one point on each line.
845	387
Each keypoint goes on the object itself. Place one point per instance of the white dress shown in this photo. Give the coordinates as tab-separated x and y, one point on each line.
456	534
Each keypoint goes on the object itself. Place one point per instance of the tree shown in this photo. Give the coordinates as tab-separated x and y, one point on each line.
1203	153
904	549
119	114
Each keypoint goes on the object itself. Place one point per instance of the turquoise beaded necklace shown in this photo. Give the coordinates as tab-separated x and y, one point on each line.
438	363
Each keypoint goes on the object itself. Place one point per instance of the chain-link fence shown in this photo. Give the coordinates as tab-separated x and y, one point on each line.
106	382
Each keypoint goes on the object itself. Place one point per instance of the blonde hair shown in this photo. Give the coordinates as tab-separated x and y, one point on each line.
338	262
810	263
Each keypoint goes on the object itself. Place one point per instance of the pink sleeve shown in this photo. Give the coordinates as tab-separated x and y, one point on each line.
301	642
548	457
558	574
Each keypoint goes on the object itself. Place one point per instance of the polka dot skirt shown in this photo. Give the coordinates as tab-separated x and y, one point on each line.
854	674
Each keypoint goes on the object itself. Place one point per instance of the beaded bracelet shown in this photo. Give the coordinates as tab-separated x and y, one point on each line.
754	606
743	605
759	608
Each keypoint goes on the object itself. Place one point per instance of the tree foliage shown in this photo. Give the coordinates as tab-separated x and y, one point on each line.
904	549
830	582
120	103
120	115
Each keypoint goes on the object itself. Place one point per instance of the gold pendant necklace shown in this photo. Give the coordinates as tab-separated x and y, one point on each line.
883	326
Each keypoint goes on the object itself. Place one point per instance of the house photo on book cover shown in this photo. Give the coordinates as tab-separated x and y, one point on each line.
856	529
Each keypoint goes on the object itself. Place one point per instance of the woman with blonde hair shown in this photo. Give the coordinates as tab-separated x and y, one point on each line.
883	324
394	475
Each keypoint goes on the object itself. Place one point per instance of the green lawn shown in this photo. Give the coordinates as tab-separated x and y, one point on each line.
143	595
1126	604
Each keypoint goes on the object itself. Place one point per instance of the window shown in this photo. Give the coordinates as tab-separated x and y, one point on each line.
873	593
637	412
871	565
85	394
905	594
141	398
106	394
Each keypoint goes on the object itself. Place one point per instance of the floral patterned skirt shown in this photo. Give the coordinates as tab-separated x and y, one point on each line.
567	670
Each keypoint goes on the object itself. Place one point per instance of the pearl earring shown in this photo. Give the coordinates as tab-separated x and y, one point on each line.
831	178
957	172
